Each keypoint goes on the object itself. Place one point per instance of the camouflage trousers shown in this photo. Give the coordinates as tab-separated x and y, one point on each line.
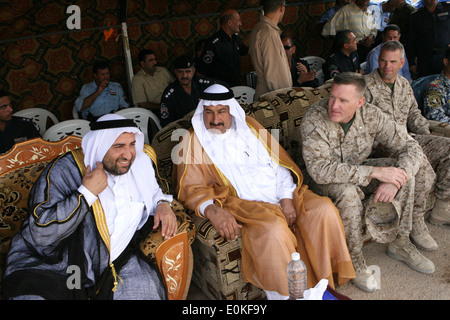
352	200
437	150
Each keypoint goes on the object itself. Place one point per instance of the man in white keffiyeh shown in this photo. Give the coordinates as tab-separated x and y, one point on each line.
234	173
131	184
92	220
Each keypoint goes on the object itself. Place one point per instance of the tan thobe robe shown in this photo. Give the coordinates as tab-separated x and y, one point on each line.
269	57
267	239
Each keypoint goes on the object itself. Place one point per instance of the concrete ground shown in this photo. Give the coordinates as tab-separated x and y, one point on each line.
398	281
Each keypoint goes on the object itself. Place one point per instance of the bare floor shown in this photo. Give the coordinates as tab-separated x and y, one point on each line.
400	282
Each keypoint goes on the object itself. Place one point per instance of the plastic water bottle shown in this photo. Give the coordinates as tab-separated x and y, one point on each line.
296	272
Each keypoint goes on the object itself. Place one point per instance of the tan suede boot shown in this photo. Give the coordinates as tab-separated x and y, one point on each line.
403	250
421	237
364	279
440	214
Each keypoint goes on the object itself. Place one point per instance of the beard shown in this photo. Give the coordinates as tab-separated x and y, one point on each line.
116	168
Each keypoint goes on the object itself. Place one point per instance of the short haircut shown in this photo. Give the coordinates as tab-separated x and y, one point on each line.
391	27
143	53
226	16
341	38
100	65
286	35
393	45
271	5
3	93
351	78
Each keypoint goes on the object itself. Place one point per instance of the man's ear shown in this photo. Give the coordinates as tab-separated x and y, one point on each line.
361	101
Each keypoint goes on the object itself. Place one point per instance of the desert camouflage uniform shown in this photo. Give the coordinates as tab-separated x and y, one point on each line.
401	106
341	169
436	101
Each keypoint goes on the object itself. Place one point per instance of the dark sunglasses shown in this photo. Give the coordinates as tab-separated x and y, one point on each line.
287	47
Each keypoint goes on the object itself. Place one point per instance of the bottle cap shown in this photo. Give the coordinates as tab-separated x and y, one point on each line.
295	256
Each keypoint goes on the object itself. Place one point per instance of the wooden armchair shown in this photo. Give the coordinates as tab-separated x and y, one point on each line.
20	168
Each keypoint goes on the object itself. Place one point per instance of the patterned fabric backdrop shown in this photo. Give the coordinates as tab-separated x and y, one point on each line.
44	64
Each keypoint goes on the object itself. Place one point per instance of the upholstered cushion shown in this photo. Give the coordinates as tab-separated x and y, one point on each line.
264	112
217	265
14	189
163	143
291	105
149	245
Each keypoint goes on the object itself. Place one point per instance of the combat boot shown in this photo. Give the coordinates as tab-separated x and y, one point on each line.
403	250
440	214
364	279
421	237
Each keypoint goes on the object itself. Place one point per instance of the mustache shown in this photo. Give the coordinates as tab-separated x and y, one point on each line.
212	124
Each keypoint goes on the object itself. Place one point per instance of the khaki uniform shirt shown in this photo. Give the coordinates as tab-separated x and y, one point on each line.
331	156
147	88
400	105
269	58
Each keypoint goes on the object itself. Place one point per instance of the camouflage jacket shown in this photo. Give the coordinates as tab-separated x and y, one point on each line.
436	100
331	156
400	105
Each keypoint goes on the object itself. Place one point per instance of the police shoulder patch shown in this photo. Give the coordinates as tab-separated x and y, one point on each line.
334	70
434	99
208	57
164	111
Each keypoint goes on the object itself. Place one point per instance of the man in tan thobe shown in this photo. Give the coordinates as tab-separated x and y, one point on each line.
235	174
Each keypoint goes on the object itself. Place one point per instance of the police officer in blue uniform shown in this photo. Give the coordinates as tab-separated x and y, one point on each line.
429	37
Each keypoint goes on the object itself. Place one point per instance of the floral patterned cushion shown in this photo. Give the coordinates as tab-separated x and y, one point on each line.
14	189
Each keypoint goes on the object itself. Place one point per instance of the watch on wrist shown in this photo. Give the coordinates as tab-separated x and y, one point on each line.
164	201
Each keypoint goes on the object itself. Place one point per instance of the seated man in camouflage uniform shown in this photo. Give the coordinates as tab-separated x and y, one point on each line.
436	101
338	135
394	96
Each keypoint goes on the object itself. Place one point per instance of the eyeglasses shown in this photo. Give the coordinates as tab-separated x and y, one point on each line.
287	47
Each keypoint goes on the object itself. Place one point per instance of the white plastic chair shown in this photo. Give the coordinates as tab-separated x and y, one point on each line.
321	77
364	67
76	127
75	114
251	79
315	62
243	94
141	117
39	116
